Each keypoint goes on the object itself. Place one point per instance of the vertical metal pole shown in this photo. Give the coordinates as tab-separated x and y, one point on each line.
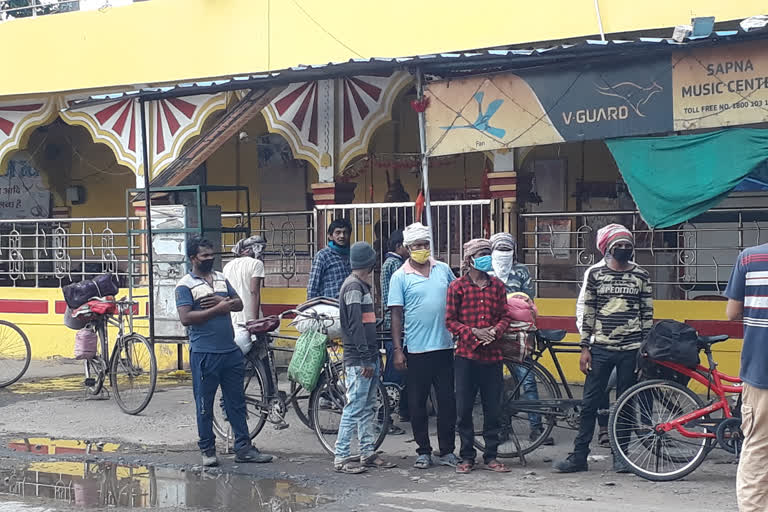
423	145
148	210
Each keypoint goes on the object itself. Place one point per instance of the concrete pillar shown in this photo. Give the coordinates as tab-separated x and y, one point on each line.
502	184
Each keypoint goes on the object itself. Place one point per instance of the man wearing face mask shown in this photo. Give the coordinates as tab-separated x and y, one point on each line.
477	316
618	313
516	278
417	293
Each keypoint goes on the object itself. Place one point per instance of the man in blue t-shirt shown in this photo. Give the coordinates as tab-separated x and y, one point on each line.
747	294
417	295
204	299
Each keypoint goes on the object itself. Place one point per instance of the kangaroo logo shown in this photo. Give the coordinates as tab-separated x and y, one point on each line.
633	95
482	123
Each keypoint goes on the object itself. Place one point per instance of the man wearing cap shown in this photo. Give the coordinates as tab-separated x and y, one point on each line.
246	273
417	293
618	313
361	364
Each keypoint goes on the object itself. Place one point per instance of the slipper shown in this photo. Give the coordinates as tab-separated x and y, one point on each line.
374	461
495	466
349	468
603	439
465	467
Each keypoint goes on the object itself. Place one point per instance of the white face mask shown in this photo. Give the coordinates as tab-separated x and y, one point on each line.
502	262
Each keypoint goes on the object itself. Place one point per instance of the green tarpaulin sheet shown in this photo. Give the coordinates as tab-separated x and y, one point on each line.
673	179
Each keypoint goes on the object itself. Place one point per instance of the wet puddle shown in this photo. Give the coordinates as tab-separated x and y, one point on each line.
105	484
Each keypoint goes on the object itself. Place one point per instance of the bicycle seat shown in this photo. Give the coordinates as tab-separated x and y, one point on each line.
711	340
263	325
551	334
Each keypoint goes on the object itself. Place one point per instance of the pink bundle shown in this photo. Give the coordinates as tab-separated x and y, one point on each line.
522	308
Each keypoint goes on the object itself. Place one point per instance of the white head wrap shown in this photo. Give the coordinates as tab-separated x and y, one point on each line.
414	232
252	246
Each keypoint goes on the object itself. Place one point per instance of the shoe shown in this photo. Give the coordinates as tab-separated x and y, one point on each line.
423	461
210	461
619	466
252	455
448	459
572	464
534	435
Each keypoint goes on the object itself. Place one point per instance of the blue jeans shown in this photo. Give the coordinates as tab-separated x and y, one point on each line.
359	414
530	391
209	371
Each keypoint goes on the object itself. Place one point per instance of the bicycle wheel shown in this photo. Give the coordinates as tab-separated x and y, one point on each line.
15	353
256	404
654	455
528	380
326	403
300	405
95	373
133	373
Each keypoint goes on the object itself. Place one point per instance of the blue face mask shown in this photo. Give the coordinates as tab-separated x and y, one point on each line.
483	263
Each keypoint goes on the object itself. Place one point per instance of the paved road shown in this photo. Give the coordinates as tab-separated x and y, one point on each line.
156	452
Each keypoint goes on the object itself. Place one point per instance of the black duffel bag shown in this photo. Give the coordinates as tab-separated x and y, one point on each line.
77	294
673	342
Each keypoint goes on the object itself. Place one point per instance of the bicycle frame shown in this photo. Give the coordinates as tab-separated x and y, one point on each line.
101	327
713	380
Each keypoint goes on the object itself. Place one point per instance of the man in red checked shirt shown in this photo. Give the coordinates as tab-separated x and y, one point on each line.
477	317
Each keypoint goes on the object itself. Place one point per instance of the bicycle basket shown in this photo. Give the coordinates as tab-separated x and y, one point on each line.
308	359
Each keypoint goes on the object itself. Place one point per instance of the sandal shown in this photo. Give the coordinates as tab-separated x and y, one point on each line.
465	467
374	461
423	462
349	467
603	439
496	466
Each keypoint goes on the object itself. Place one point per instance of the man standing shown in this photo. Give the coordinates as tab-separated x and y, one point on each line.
246	273
394	260
417	292
204	299
477	315
747	294
361	364
331	265
618	313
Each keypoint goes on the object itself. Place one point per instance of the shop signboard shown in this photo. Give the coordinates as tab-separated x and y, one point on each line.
720	86
545	106
23	194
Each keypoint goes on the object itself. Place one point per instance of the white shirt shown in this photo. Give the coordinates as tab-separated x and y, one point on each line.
239	273
580	300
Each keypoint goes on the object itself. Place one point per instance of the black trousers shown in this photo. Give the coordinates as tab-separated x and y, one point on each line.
425	370
488	379
603	363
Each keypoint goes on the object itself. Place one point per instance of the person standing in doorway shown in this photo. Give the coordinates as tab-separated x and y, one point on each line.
517	278
246	274
361	365
417	294
393	261
747	293
204	300
618	314
331	265
477	316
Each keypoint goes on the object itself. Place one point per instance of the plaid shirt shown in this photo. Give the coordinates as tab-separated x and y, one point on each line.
470	306
328	272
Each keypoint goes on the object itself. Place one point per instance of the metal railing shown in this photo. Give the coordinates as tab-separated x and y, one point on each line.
690	260
11	9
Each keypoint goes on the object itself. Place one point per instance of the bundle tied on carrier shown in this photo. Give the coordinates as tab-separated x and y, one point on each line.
517	342
669	341
308	359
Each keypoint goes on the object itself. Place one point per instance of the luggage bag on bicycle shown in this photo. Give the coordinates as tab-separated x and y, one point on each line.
517	342
308	359
77	294
673	342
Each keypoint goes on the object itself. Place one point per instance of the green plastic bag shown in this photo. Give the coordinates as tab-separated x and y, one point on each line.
308	359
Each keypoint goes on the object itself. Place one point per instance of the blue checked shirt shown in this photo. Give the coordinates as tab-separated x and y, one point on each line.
329	270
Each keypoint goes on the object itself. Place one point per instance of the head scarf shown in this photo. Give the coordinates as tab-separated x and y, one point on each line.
504	241
472	248
414	232
252	246
612	234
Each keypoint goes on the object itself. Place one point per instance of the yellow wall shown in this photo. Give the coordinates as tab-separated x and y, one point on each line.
176	40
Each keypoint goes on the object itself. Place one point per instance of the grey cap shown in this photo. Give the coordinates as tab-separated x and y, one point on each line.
361	255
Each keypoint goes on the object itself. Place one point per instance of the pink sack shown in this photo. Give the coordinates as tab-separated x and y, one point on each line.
521	310
86	342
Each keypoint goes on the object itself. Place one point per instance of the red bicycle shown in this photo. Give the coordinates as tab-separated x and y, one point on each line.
663	430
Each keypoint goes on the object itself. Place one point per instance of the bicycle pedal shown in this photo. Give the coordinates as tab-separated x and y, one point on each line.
89	382
281	426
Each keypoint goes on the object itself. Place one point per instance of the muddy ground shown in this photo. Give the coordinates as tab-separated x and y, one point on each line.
150	461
